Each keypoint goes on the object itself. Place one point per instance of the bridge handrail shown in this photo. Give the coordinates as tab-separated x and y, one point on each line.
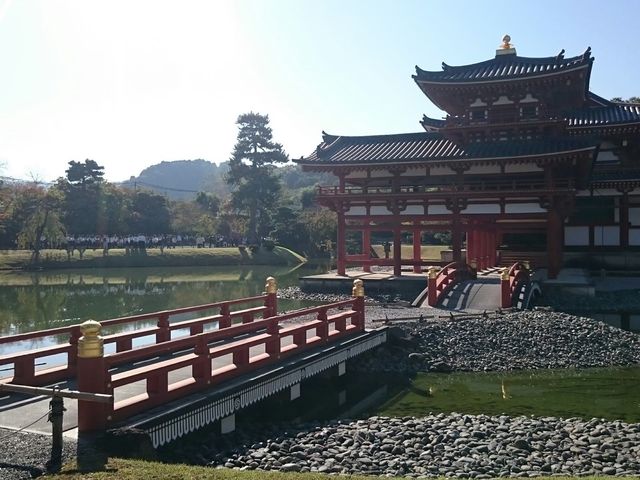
511	281
441	282
129	319
198	352
24	361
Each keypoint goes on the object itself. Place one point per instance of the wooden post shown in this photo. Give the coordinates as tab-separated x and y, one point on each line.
358	303
432	295
56	406
225	313
271	302
554	243
92	378
341	244
505	288
397	251
164	332
366	249
624	220
323	330
456	238
273	344
417	251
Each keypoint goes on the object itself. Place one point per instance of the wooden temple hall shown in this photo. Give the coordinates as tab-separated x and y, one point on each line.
528	164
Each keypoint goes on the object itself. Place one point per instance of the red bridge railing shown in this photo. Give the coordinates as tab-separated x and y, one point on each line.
511	281
189	363
443	280
24	362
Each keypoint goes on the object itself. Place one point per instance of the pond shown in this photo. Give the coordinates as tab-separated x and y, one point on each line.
39	300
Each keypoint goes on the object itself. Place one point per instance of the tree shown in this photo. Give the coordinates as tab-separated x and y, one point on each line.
87	173
251	171
209	202
41	210
629	100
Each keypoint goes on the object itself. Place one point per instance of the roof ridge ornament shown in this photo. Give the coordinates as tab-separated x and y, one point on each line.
507	47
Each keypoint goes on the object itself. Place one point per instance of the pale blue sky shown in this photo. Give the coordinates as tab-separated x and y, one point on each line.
130	83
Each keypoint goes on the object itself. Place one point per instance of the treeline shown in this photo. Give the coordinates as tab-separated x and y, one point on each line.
266	201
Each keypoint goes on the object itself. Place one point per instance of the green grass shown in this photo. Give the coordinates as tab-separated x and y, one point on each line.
119	469
174	257
429	252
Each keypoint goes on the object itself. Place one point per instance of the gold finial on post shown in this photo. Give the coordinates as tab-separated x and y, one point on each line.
433	272
505	42
358	288
271	286
91	344
504	275
507	47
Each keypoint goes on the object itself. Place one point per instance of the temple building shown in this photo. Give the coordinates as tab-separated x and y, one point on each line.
528	164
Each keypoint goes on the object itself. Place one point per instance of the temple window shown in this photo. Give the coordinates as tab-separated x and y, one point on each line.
478	115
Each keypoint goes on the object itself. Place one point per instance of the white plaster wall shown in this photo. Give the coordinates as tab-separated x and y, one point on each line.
357	174
634	215
482	208
528	99
576	236
380	173
483	169
414	172
357	211
380	211
437	210
634	236
523	208
521	168
478	103
503	100
607	156
413	210
441	171
606	235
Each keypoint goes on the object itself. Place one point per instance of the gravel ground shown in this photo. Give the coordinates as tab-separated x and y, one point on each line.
25	455
455	445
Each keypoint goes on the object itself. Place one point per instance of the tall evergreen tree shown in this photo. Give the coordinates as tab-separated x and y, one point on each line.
251	171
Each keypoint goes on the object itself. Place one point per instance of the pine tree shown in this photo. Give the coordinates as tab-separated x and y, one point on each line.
252	171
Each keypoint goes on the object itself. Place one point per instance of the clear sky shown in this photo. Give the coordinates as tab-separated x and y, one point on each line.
130	83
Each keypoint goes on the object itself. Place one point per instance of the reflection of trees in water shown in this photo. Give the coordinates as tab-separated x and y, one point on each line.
56	299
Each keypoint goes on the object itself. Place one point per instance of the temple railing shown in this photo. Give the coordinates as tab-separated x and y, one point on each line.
480	186
512	280
441	281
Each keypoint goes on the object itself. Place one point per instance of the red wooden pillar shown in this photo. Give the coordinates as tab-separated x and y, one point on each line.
341	245
492	249
92	378
554	243
456	239
481	249
471	247
417	251
432	294
397	250
366	248
624	220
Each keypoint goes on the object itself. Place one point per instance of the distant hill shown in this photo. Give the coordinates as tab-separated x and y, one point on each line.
182	179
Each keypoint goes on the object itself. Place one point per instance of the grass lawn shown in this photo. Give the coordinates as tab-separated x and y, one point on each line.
118	469
429	252
173	257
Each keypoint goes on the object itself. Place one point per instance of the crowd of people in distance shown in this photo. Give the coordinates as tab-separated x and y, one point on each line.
139	243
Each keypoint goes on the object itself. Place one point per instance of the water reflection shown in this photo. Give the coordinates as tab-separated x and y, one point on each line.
36	301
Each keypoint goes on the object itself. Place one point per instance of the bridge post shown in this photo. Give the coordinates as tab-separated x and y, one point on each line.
271	302
358	303
273	344
323	329
164	332
225	313
92	377
432	295
505	288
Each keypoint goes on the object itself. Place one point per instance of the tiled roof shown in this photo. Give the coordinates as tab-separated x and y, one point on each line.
429	146
431	124
615	113
504	67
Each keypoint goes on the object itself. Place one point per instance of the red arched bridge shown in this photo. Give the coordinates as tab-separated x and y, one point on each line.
180	374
